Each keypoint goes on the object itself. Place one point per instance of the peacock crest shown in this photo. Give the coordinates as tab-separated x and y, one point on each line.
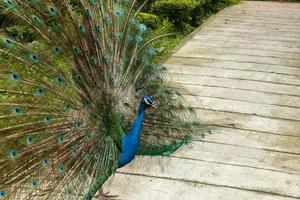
69	99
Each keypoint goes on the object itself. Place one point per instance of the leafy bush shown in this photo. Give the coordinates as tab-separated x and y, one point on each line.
176	11
149	20
147	6
165	27
216	5
205	8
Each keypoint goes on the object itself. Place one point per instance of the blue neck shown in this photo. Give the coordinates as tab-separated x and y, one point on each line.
131	142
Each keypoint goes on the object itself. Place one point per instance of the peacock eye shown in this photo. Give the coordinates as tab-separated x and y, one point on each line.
148	101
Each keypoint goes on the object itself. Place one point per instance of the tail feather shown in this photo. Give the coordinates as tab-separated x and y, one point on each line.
67	99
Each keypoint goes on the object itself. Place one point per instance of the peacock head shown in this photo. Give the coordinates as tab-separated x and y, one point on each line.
147	102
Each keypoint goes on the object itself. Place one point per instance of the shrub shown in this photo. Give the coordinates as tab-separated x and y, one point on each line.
147	6
149	20
165	27
202	10
205	8
176	11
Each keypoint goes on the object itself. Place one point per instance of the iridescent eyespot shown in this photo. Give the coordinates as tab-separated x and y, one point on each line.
132	21
120	36
106	60
14	154
88	136
78	124
15	77
34	58
36	20
10	3
86	157
69	190
152	52
9	43
79	78
61	168
107	20
75	151
93	117
17	111
130	38
60	80
56	50
61	138
118	13
34	183
76	50
45	161
82	173
68	106
98	43
99	28
56	26
139	39
88	12
96	156
3	194
110	47
48	118
40	91
30	139
143	27
81	29
87	103
52	11
94	61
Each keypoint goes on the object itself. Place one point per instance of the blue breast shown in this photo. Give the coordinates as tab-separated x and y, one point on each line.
131	142
129	150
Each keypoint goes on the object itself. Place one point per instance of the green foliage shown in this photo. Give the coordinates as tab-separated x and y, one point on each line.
208	7
147	6
176	11
185	13
167	44
166	27
149	20
182	17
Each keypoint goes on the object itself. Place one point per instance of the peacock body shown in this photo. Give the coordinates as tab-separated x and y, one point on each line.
68	99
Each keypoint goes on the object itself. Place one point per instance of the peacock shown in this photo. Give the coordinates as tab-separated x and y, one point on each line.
82	99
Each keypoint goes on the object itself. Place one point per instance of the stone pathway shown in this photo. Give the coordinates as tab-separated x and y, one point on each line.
242	71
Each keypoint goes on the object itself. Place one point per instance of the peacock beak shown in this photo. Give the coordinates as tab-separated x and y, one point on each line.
154	106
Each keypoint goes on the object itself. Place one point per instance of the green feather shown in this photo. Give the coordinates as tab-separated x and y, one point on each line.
68	98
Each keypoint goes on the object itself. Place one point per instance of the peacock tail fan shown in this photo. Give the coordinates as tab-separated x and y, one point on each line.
68	98
171	126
